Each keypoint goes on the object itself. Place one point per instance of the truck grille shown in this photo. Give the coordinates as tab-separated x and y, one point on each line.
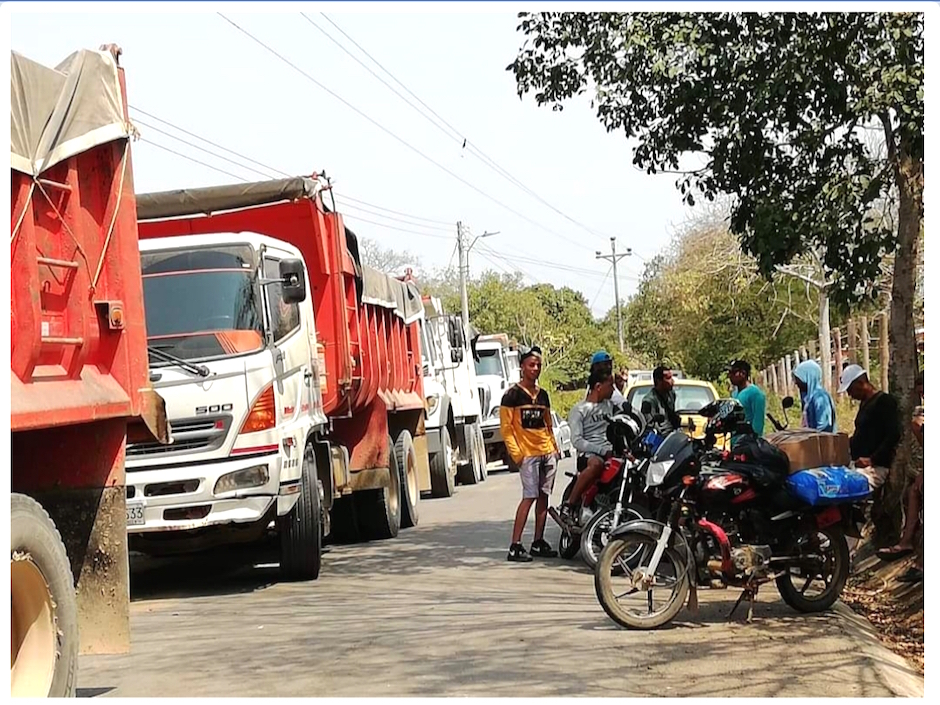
189	435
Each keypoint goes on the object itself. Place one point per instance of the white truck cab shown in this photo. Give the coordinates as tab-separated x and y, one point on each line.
455	438
497	369
235	357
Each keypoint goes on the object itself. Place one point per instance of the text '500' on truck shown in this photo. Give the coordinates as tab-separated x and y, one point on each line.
78	364
497	369
291	374
455	437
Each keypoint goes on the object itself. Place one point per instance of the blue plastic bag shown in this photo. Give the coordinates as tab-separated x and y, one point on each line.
829	485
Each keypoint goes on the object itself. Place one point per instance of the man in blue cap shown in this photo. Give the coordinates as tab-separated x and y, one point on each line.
602	361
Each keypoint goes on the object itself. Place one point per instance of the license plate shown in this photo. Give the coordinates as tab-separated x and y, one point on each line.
135	514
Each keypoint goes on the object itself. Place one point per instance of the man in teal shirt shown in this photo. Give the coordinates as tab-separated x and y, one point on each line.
748	394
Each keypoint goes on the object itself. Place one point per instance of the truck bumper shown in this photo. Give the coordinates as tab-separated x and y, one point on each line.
492	434
184	498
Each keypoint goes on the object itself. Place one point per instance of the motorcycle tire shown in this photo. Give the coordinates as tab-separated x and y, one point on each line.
592	544
568	544
606	592
839	554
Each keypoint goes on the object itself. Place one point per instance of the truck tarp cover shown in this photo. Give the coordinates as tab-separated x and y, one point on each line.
377	289
58	113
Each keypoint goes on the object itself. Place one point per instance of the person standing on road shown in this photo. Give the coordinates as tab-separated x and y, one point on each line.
819	412
877	426
751	397
588	422
525	419
662	401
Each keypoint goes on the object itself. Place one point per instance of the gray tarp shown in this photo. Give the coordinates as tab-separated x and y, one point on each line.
58	113
380	289
216	199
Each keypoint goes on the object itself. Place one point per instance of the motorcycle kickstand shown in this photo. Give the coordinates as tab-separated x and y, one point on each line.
750	594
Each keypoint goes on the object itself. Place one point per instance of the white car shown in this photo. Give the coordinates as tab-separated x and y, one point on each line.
562	434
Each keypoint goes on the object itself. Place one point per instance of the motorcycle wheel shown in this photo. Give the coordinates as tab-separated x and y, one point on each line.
609	583
568	545
832	566
596	534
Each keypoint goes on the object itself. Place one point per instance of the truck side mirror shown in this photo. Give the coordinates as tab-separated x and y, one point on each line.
455	333
293	284
787	402
456	355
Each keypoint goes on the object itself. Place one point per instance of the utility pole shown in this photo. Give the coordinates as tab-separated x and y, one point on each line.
463	264
613	258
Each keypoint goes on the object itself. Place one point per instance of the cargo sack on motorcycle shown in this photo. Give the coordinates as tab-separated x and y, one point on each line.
829	485
766	464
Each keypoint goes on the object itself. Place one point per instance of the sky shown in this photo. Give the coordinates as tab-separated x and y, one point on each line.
199	73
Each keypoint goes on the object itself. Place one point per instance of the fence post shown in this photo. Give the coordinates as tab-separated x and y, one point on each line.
865	360
804	356
852	356
772	378
837	347
788	373
812	350
883	344
781	378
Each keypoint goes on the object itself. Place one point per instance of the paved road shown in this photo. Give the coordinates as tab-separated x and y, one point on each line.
439	612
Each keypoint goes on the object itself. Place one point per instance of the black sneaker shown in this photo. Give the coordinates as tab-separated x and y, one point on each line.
518	554
541	549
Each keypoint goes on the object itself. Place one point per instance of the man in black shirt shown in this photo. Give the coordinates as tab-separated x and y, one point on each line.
877	426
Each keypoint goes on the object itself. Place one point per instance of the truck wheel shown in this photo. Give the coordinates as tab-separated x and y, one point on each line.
343	525
43	610
378	512
301	530
442	468
479	456
407	458
467	473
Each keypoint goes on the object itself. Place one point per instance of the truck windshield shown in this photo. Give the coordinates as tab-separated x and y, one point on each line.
202	303
489	363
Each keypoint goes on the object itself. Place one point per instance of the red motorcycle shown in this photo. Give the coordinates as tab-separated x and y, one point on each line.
734	517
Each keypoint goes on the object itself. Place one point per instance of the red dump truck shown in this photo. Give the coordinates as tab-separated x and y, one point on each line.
291	373
79	373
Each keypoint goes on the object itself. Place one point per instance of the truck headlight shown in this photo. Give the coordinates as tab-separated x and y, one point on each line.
494	414
433	402
256	476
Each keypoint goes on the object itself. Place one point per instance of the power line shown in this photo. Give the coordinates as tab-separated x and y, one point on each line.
265	166
390	217
457	134
391	134
349	216
600	288
210	142
192	159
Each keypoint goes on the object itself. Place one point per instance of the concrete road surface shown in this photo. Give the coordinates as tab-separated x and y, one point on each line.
439	612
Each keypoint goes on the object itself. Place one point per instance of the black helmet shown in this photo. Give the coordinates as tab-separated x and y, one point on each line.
624	429
724	416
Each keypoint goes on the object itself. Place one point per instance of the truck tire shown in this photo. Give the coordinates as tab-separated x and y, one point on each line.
480	454
43	610
442	468
343	525
378	512
410	493
301	530
467	472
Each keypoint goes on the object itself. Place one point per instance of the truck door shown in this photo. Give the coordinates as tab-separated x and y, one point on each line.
293	386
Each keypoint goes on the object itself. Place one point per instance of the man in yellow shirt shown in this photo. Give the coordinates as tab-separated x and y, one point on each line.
525	420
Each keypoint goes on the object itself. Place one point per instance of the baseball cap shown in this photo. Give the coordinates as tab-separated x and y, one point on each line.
849	375
600	356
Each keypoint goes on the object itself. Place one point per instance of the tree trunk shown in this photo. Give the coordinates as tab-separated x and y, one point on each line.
825	338
903	368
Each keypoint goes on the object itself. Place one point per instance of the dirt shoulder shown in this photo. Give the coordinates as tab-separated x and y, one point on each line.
895	609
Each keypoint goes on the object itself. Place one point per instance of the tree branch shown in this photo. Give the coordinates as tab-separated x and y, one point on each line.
790	272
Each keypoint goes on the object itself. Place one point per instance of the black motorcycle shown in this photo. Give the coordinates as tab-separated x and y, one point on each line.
724	516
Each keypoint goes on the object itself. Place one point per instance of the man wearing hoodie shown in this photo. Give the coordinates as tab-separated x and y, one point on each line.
819	413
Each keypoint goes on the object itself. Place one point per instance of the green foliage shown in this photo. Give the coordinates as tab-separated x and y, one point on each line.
776	106
704	303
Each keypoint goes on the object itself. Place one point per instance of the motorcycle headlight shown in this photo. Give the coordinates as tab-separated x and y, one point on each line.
433	402
656	472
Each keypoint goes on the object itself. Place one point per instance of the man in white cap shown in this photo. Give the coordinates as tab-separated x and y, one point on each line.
877	426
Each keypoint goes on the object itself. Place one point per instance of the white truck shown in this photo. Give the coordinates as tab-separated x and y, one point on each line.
455	438
497	368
